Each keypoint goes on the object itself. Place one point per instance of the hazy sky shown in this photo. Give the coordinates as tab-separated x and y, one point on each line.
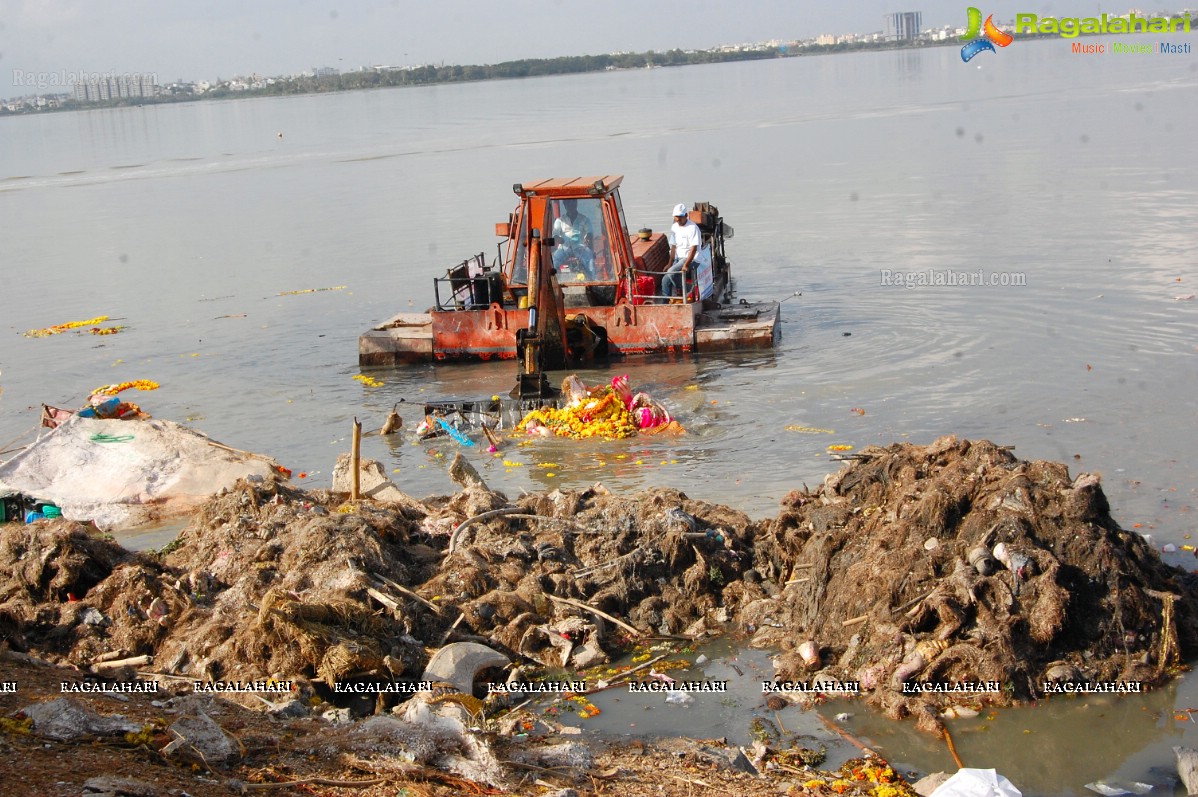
221	38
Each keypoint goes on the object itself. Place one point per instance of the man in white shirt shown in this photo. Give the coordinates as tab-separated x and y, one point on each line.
687	238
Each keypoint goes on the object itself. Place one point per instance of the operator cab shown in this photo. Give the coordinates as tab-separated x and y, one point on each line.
585	219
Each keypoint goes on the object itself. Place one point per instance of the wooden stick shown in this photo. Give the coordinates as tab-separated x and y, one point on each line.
355	462
239	451
404	590
855	621
340	784
698	783
797	581
450	630
582	571
108	666
593	610
953	749
848	737
383	599
624	675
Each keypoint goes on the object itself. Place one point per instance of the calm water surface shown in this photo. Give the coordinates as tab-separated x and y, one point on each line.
1073	176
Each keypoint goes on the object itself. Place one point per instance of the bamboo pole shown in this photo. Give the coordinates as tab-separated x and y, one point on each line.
355	461
593	610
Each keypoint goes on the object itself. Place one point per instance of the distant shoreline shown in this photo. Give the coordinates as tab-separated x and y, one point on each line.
507	70
530	67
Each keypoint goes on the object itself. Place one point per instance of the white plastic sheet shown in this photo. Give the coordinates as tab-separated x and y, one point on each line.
120	474
977	783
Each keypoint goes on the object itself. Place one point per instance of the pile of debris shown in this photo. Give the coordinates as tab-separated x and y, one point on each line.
956	563
268	581
952	563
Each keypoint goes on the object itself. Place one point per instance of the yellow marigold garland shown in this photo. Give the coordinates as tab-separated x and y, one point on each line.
137	384
604	417
57	328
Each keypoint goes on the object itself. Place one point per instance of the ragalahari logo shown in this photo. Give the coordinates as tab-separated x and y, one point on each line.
979	37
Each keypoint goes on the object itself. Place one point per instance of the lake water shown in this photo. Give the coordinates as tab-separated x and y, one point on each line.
1068	180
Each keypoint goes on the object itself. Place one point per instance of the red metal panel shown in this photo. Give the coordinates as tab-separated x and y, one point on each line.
646	329
653	254
483	334
571	186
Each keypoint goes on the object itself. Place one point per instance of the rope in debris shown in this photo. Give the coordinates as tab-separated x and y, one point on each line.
242	788
6	449
468	522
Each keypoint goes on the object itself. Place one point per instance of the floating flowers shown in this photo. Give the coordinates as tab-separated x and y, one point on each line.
369	381
57	328
605	417
840	447
136	384
106	330
809	429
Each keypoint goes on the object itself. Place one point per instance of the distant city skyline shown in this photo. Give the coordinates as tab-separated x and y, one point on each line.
223	38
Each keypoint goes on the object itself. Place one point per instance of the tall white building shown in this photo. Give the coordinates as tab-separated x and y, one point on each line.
903	25
111	87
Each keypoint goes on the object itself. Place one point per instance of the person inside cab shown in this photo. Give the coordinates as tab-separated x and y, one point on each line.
572	234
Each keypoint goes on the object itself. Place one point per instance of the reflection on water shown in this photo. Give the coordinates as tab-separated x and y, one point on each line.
152	537
1054	747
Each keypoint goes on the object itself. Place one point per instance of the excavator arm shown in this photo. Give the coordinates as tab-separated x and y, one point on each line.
541	345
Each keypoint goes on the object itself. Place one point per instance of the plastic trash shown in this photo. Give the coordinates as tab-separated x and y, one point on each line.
679	697
1169	548
977	783
1105	789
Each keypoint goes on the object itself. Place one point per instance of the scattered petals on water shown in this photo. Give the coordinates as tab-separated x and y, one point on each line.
840	447
857	410
57	328
809	429
368	381
106	330
311	290
1075	420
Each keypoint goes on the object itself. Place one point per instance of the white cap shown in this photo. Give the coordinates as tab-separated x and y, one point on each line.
680	209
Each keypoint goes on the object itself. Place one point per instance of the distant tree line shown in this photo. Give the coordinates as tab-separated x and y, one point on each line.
526	67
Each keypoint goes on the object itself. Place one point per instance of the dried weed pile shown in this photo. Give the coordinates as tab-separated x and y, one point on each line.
957	563
950	563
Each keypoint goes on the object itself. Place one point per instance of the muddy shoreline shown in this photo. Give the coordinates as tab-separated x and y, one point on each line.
915	575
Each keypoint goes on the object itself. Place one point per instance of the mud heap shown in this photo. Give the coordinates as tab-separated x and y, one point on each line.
956	563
